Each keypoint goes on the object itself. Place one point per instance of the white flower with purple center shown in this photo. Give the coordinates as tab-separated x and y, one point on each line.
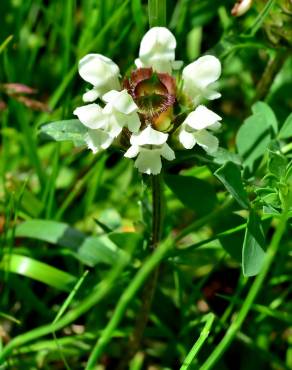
149	145
139	114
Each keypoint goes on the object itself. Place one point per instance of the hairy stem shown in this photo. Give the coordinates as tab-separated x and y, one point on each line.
273	67
150	286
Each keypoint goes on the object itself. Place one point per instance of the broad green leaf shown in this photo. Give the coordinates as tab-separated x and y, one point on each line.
50	231
89	250
222	156
277	164
286	129
253	253
194	193
229	174
99	249
68	130
36	270
255	134
265	111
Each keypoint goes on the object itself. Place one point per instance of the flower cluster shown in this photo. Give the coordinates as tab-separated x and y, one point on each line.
155	106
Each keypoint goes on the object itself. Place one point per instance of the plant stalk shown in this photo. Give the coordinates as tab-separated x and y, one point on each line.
272	69
253	292
136	337
157	13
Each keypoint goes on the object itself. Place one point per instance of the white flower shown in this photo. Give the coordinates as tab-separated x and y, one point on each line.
99	135
157	50
149	145
199	77
121	110
101	72
241	7
105	124
194	130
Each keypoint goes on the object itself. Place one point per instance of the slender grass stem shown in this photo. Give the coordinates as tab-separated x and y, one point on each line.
127	296
272	69
157	12
150	286
99	293
199	343
253	292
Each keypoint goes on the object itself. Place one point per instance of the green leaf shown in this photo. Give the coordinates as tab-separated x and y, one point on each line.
100	249
253	253
277	164
222	156
68	130
36	270
229	174
89	250
286	129
194	193
51	232
266	112
255	134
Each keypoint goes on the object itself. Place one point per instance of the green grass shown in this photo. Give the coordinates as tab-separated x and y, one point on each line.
74	227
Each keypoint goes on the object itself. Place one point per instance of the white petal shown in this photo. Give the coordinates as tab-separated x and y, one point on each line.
90	96
121	101
133	122
149	162
241	7
157	49
91	116
187	139
116	122
132	151
201	118
149	136
211	94
97	140
157	39
207	141
203	71
167	152
139	63
177	64
101	72
216	126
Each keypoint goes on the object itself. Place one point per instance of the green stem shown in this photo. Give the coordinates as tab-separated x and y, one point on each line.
127	296
157	13
199	343
272	69
253	292
260	18
157	209
136	337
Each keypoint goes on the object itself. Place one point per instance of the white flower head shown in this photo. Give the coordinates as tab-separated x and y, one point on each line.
101	72
194	129
105	124
146	104
149	145
121	110
157	50
199	78
99	134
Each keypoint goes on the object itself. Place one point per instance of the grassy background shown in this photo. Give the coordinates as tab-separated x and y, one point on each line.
62	185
